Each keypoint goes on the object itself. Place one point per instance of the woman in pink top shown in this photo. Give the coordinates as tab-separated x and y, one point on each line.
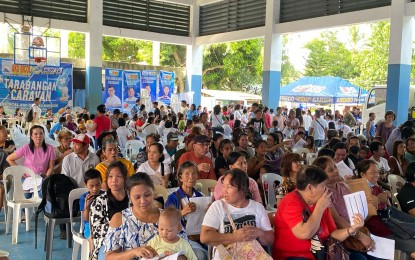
238	161
38	156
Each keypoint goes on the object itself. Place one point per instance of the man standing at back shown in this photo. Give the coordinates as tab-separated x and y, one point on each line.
318	129
36	113
101	122
279	118
80	160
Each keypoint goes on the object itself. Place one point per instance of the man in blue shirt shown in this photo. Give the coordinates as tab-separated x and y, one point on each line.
57	127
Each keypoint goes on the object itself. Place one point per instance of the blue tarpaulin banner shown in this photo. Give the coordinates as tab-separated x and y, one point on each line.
21	84
149	81
113	89
322	90
166	86
131	89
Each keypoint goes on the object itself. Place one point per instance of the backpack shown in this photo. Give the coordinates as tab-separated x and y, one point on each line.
55	194
29	115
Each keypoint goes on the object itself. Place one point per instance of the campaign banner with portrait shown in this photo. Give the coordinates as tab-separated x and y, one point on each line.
131	89
166	86
113	89
21	84
149	81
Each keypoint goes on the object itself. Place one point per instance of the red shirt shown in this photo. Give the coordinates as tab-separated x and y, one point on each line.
289	214
191	156
139	123
103	123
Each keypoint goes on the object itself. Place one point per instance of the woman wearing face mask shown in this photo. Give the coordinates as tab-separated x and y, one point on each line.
369	170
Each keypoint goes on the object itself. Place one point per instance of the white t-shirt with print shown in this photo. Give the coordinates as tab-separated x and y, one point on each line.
252	215
382	164
154	175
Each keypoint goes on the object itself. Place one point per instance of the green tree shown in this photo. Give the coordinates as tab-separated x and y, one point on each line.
76	45
288	71
172	55
372	61
329	57
126	50
233	66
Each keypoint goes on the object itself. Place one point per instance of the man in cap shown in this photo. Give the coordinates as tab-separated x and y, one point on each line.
198	156
172	143
80	160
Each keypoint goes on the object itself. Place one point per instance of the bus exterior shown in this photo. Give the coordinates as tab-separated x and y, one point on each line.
376	103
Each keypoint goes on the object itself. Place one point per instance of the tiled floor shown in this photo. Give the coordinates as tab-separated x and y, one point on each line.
25	249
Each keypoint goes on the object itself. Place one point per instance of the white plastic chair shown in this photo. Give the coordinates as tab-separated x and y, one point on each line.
52	142
205	185
78	237
76	110
132	148
15	197
396	182
21	141
310	157
161	191
17	132
270	198
300	150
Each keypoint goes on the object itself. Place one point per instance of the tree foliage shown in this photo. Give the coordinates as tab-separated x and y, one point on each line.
126	50
76	45
172	55
329	57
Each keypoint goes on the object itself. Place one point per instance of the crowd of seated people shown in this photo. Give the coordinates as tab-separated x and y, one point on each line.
126	216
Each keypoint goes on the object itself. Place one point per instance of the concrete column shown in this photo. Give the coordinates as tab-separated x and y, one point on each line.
399	64
194	59
4	27
272	57
93	55
64	43
156	53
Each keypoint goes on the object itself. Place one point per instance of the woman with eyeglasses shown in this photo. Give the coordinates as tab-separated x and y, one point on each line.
249	216
303	218
64	139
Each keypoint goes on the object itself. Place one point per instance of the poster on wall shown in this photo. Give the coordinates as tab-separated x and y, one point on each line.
166	86
113	89
149	81
131	89
21	84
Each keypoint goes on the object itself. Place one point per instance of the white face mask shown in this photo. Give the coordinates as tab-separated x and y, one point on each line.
371	185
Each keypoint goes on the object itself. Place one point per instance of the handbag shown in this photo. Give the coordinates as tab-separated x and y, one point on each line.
354	244
241	250
331	248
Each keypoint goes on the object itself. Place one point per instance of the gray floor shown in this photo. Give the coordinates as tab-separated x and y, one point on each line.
25	249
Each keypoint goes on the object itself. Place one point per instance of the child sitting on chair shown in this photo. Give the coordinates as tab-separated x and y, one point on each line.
168	242
92	180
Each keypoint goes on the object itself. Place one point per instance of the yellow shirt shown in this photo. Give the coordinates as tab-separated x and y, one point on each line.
161	247
102	168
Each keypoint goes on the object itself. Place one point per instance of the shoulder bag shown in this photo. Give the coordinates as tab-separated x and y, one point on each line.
241	250
331	248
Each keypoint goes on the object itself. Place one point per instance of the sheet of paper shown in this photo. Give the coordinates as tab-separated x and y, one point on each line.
356	203
344	170
195	219
169	257
384	248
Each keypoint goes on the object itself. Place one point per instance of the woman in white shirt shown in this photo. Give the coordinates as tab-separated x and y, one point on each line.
158	171
149	127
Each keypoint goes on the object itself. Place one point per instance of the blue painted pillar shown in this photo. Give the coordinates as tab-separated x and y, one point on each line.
271	82
399	64
194	64
194	59
93	53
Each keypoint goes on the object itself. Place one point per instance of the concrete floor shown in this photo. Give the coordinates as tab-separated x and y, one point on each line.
25	249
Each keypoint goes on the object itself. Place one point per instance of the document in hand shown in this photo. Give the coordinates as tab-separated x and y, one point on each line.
384	248
195	219
356	203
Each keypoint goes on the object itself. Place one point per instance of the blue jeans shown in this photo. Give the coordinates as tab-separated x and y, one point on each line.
318	143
